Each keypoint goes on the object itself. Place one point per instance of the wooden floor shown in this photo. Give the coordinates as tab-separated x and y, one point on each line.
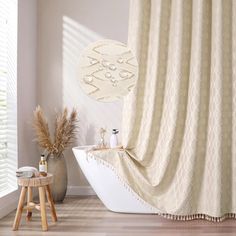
88	217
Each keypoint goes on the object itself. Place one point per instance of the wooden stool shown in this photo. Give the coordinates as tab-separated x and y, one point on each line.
43	185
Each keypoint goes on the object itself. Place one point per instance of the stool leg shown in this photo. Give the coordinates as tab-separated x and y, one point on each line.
51	203
29	199
43	208
19	208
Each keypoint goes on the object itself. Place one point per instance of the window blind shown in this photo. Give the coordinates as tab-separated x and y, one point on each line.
8	88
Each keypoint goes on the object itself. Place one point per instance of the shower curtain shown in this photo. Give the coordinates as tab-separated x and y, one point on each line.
179	123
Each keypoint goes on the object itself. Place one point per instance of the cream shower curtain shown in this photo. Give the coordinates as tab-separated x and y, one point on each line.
179	126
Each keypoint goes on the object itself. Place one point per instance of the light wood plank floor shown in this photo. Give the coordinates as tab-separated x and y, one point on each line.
88	217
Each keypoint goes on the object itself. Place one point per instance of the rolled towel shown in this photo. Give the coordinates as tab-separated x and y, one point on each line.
27	172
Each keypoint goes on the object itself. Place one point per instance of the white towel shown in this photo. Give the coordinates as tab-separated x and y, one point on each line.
27	172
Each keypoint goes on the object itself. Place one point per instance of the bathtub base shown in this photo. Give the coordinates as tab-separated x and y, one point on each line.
114	194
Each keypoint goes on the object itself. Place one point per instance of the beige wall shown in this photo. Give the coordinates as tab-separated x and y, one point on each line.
65	27
26	86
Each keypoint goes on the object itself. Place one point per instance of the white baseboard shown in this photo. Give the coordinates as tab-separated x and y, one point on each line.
8	203
80	191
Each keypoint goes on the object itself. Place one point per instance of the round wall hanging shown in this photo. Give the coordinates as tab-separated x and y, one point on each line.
108	70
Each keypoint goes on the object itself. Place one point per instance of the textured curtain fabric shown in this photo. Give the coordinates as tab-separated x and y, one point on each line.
179	126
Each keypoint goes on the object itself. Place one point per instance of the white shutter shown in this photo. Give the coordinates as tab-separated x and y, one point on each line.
8	85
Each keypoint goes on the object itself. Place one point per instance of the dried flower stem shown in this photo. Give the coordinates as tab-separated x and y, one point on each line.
65	131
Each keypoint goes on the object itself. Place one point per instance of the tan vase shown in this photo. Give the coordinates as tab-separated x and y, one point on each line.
57	167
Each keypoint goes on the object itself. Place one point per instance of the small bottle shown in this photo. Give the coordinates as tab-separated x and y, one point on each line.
43	166
114	139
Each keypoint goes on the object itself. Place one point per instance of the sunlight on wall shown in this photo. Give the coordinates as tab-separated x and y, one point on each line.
92	114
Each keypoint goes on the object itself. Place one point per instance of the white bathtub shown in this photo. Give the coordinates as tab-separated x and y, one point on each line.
111	191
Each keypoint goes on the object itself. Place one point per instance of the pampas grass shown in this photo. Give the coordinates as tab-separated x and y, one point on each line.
65	130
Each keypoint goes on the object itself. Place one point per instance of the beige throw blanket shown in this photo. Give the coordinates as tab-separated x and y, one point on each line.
179	124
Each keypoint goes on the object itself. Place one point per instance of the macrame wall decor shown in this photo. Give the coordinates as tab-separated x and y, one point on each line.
108	70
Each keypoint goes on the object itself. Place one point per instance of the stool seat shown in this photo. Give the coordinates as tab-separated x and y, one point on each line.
42	183
36	181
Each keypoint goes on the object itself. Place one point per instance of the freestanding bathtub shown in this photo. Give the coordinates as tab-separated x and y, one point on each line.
111	190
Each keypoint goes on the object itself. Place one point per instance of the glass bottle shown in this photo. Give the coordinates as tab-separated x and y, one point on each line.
43	167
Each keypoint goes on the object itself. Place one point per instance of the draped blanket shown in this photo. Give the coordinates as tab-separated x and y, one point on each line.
179	123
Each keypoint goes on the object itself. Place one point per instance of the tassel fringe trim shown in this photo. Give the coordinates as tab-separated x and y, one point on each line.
198	217
91	155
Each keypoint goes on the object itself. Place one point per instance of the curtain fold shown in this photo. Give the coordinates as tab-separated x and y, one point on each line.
179	123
